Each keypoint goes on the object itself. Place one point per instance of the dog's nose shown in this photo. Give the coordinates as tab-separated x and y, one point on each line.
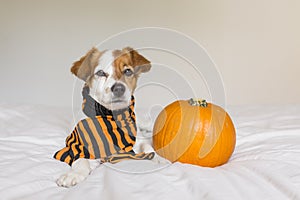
118	89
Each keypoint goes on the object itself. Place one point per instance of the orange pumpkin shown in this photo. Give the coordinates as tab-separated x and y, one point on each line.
194	132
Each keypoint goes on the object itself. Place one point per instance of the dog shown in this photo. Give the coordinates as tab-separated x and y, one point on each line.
111	78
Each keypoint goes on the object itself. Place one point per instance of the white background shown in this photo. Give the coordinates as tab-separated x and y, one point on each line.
255	44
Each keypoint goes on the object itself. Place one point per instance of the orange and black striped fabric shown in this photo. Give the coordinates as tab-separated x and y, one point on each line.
108	135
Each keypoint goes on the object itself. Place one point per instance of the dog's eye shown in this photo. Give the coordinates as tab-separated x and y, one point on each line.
101	73
128	72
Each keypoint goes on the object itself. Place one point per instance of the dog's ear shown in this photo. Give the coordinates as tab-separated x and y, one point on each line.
85	66
140	63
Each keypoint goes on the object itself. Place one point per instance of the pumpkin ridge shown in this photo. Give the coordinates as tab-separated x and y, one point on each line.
166	141
161	150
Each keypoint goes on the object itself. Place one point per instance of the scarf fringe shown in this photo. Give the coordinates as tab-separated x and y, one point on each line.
127	156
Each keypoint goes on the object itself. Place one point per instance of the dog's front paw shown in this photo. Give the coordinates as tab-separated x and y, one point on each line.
160	160
71	178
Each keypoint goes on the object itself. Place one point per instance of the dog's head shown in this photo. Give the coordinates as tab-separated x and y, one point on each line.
111	75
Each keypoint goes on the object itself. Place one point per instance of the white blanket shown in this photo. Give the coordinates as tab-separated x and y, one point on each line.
265	163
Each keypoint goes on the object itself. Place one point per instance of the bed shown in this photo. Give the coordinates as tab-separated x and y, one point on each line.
265	163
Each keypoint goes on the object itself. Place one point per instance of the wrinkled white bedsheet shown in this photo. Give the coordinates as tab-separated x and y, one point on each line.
265	164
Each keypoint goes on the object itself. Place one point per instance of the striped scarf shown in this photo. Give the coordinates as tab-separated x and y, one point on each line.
106	135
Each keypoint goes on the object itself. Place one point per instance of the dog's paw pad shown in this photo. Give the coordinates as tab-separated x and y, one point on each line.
70	179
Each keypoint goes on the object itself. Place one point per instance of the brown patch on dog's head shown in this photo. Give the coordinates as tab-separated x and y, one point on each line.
85	66
139	62
128	58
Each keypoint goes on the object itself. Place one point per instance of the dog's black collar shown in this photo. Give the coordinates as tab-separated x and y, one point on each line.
92	108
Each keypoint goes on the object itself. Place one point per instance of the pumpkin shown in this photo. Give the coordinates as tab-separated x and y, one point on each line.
194	132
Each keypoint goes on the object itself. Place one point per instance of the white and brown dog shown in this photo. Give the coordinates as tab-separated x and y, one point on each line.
111	76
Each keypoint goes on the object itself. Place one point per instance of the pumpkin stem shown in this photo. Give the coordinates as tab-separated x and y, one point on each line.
198	102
